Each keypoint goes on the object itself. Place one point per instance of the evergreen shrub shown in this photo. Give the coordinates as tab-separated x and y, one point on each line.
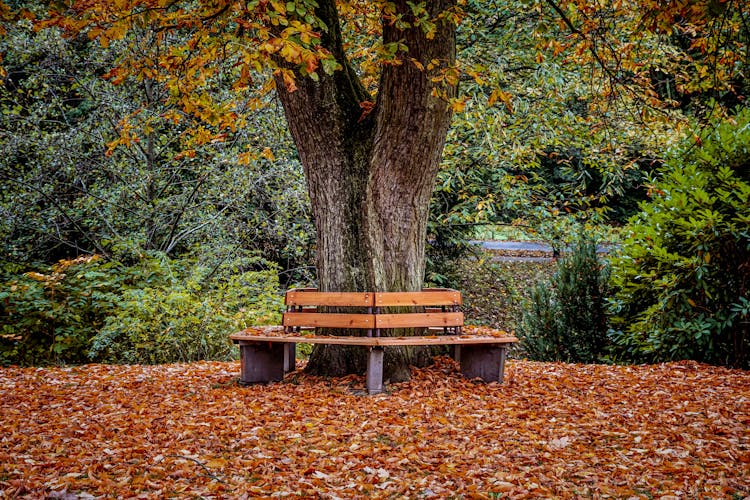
565	319
682	280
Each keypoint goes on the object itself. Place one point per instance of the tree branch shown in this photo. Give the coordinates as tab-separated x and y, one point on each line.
54	202
171	240
576	31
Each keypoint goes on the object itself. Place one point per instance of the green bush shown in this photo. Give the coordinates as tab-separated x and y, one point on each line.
682	279
50	316
156	310
565	319
185	322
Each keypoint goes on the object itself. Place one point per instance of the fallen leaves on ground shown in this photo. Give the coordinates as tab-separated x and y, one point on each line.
678	430
484	331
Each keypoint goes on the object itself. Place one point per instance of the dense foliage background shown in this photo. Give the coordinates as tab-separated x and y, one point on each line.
683	277
134	231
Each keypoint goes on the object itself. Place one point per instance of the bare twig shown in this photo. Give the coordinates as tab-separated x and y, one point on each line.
195	460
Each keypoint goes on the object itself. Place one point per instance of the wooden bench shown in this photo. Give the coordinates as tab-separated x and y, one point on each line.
268	356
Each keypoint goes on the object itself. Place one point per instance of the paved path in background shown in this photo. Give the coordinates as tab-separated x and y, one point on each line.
526	246
515	246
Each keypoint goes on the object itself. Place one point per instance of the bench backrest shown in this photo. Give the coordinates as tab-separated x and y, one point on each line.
437	307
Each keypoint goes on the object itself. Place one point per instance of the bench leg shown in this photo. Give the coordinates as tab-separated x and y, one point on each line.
486	362
290	357
375	371
262	362
455	352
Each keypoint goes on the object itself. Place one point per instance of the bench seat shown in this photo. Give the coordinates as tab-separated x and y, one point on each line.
249	336
268	357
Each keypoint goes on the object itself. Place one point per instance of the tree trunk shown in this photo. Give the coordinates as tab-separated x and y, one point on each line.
370	176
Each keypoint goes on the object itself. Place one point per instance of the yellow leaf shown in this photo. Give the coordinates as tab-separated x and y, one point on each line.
279	7
244	158
289	82
451	76
217	463
291	52
493	98
458	105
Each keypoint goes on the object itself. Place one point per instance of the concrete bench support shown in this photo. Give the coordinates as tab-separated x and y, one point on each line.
375	370
486	362
290	357
262	362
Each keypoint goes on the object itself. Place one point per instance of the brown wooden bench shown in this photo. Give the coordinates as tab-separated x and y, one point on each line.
267	356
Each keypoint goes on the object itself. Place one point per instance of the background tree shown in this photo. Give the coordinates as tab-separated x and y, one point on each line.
93	166
568	106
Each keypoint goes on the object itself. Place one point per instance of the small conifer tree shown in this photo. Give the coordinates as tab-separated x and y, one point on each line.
565	319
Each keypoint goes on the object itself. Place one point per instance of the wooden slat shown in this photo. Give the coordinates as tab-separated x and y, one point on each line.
375	341
444	340
351	299
329	320
416	320
440	297
301	339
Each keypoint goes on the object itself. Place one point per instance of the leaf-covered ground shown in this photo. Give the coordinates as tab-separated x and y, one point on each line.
678	430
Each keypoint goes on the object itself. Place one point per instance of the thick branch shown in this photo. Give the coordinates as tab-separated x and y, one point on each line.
406	87
334	145
339	94
411	126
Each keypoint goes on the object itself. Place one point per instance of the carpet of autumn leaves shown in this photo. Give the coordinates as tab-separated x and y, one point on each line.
679	430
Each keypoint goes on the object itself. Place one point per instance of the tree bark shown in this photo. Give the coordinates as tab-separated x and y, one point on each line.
370	176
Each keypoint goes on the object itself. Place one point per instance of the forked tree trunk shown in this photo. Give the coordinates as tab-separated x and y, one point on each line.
370	175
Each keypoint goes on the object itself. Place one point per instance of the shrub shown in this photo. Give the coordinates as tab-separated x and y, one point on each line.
156	310
184	321
682	279
49	316
565	319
